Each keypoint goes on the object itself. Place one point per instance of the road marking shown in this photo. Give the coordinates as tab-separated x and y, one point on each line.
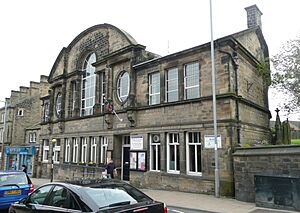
175	211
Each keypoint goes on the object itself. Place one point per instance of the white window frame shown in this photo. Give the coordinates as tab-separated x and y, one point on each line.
1	135
157	155
32	137
103	149
74	87
68	150
186	77
46	151
2	117
93	149
56	151
122	91
192	143
75	150
88	87
58	103
172	142
46	112
103	91
20	112
153	85
84	147
168	81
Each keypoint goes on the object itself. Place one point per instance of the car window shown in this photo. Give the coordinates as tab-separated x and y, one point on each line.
61	197
106	196
39	195
13	179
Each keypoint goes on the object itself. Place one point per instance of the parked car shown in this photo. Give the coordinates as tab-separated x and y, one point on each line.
14	185
101	195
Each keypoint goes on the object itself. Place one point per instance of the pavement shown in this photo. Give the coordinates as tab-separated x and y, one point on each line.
197	202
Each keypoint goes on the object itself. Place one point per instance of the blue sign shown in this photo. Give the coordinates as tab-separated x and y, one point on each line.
23	150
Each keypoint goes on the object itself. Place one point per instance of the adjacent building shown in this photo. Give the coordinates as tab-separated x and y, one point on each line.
20	126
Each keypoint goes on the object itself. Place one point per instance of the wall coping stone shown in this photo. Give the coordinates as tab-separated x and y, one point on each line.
268	150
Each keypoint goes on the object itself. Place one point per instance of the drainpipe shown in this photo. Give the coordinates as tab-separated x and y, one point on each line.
234	58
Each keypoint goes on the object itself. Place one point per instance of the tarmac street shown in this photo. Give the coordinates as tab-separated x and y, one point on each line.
182	202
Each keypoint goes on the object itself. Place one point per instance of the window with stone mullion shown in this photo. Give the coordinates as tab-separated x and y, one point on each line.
154	88
191	81
193	153
173	163
154	155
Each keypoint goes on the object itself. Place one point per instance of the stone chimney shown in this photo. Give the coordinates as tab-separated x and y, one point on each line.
253	16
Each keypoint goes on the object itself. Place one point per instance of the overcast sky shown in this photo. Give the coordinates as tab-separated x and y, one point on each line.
34	31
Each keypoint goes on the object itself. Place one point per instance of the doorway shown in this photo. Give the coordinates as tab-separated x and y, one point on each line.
126	158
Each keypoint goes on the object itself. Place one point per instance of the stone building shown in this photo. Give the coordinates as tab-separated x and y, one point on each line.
110	98
21	120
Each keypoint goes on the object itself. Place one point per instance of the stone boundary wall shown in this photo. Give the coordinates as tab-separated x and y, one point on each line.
275	161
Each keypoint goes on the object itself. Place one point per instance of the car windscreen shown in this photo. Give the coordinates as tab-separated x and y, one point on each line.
8	179
104	197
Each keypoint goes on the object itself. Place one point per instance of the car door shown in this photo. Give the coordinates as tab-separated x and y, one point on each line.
33	203
61	199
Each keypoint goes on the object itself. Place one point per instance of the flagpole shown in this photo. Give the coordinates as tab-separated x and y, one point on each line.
217	181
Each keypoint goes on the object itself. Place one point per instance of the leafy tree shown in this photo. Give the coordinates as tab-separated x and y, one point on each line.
286	74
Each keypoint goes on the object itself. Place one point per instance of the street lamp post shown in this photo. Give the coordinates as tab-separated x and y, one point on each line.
53	141
217	178
3	133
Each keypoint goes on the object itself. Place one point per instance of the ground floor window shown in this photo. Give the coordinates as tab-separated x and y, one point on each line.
67	150
154	152
173	163
56	151
103	151
75	150
83	150
93	150
193	153
45	150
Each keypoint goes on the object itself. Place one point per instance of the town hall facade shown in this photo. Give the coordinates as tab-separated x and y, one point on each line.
110	98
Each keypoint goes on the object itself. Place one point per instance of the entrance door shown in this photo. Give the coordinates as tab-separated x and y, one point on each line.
126	158
126	163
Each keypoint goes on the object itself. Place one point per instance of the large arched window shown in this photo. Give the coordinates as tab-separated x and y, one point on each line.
88	85
123	86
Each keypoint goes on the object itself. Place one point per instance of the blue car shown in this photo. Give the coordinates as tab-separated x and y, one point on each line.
14	185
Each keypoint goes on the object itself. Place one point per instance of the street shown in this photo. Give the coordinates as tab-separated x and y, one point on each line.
172	209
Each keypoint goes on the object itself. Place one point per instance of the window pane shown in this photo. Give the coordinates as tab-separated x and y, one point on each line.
172	158
199	167
192	158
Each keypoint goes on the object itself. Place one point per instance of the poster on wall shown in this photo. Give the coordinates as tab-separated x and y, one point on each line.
138	160
133	160
136	142
141	161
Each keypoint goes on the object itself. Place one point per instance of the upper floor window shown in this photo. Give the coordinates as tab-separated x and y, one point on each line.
1	135
173	163
88	86
172	85
2	117
20	111
58	104
103	90
154	88
74	88
123	86
191	81
193	153
46	112
32	137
